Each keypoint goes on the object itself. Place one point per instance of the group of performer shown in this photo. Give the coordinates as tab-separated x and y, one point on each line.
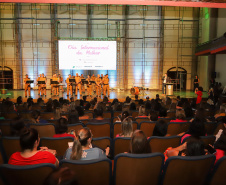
74	83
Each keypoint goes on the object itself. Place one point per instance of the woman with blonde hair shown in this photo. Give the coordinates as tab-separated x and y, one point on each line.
127	128
82	148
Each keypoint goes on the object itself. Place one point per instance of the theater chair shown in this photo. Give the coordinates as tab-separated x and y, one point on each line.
5	129
116	113
107	115
175	128
160	144
10	115
26	175
139	120
93	172
44	130
218	174
134	169
99	129
75	127
147	127
118	128
187	170
102	142
10	145
26	115
166	120
46	115
121	145
59	144
135	114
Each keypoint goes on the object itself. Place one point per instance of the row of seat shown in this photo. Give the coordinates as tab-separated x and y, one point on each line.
133	169
10	145
108	130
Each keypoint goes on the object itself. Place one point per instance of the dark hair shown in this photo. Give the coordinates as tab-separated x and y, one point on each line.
16	126
160	128
49	107
153	116
195	147
62	127
157	95
139	143
99	112
163	112
87	106
132	106
73	117
136	97
125	114
200	114
28	138
19	100
80	111
188	112
141	102
200	88
35	114
197	128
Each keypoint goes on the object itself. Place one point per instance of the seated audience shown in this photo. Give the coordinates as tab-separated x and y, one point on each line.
127	128
16	127
123	116
82	148
196	129
160	129
99	116
62	129
29	155
192	147
180	116
139	143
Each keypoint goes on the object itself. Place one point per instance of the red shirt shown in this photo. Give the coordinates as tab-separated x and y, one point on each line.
219	154
199	97
178	120
39	157
63	135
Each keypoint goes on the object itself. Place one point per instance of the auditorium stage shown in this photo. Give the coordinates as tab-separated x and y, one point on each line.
120	94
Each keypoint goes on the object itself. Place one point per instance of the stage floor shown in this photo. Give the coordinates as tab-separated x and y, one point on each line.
120	94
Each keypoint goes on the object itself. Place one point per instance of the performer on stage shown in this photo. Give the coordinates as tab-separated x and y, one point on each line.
82	85
69	86
39	86
61	81
43	86
52	85
98	85
27	86
78	85
93	78
165	80
106	85
89	86
196	82
55	87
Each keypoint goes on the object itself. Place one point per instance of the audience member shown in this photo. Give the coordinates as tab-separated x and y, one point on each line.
29	155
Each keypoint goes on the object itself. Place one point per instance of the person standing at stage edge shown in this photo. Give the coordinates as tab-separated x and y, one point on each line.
78	85
98	85
27	86
106	85
165	80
